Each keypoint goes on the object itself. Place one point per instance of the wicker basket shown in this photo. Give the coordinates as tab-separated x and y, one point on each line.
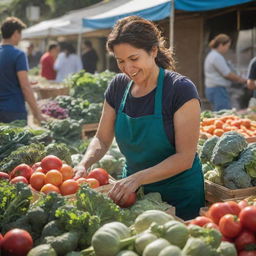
89	130
217	193
51	92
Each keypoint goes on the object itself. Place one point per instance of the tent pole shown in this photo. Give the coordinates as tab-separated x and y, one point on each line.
79	42
171	24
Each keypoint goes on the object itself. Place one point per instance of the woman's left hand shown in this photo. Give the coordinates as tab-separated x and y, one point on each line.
123	188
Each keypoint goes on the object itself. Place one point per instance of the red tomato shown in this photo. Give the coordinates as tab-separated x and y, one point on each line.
47	188
19	179
40	169
4	175
36	165
130	201
81	180
247	253
17	242
99	174
211	225
21	170
217	210
93	183
69	187
242	204
51	162
1	238
248	217
230	225
200	221
245	238
37	180
235	208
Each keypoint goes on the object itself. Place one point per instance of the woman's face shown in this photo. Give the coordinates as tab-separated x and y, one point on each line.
135	63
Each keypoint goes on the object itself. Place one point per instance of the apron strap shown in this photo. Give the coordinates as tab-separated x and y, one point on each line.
159	93
125	97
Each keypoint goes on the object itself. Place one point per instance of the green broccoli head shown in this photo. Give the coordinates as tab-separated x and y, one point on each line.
235	177
207	148
248	157
228	148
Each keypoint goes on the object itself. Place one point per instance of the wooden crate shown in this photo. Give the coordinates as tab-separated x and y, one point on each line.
51	92
217	193
89	130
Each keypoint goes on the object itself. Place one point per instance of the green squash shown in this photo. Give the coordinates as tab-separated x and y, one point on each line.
144	220
127	253
171	250
155	247
143	240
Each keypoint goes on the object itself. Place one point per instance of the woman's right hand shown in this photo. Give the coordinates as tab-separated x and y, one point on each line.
80	171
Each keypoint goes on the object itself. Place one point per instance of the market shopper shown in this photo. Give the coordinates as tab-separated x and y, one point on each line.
251	82
47	62
154	114
67	62
218	74
15	87
89	58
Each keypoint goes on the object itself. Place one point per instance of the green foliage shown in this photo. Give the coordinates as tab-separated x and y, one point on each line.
14	202
25	154
60	150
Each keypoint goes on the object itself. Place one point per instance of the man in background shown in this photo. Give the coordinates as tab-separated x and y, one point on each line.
15	87
47	62
89	58
33	57
251	82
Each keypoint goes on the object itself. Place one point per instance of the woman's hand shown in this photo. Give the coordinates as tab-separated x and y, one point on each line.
123	188
80	171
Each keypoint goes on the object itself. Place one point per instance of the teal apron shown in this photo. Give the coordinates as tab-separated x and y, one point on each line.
144	143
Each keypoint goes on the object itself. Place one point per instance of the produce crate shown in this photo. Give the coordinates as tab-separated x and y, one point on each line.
51	92
217	193
89	130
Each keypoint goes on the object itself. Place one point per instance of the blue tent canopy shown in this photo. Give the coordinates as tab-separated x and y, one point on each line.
206	5
154	10
148	9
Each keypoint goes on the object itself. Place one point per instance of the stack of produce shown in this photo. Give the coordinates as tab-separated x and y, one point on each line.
229	160
236	222
219	125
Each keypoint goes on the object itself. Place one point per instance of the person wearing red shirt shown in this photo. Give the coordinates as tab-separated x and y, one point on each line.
47	62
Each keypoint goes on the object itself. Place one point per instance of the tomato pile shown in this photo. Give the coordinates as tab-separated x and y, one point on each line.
52	175
236	222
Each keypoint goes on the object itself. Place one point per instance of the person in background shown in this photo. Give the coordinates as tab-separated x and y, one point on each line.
218	75
154	114
47	62
15	87
89	58
67	63
251	82
33	57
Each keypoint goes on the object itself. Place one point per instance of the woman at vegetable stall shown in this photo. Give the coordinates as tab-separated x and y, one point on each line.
154	114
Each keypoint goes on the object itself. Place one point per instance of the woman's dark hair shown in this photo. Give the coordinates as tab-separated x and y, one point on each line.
10	25
141	34
219	39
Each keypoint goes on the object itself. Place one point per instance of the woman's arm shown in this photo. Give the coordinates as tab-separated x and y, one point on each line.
186	125
101	142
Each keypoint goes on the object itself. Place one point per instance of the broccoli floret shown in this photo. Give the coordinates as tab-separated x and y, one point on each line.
207	167
60	150
52	229
207	148
215	176
248	158
234	176
228	148
64	243
37	217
